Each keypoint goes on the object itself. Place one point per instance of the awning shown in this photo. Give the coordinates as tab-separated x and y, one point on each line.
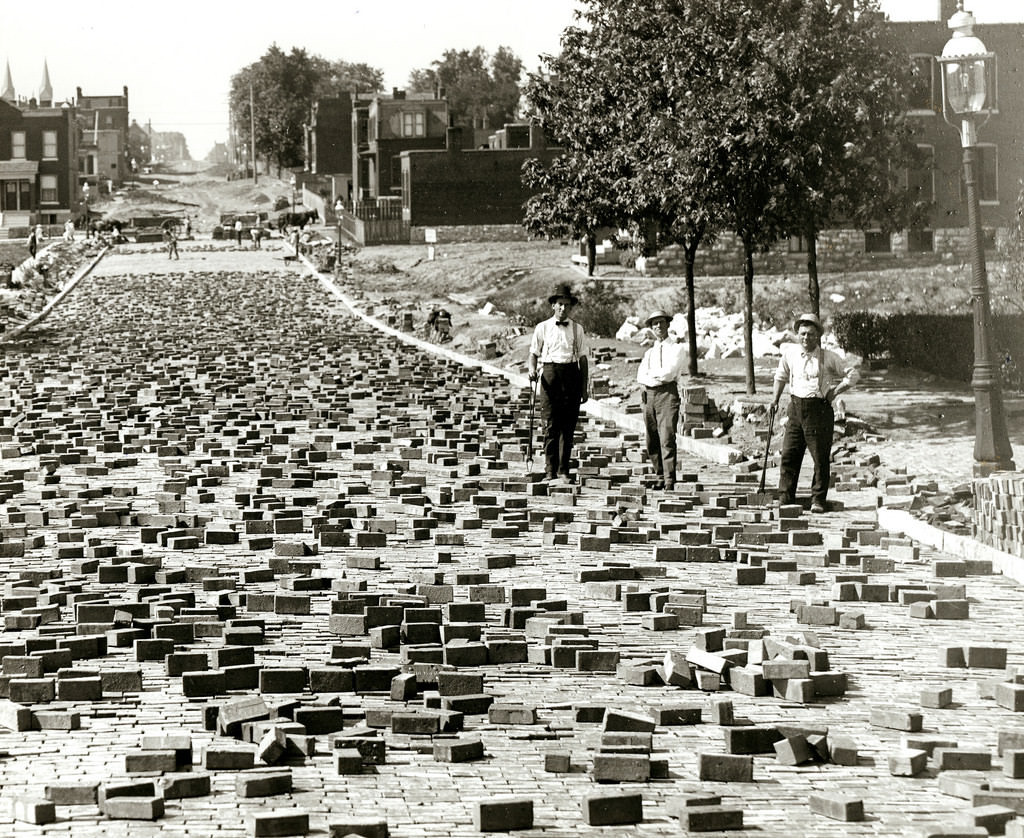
18	169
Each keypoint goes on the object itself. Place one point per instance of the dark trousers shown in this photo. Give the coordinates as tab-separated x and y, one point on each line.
561	386
810	426
661	417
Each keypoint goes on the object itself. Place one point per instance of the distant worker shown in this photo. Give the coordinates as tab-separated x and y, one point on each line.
295	241
439	326
659	374
815	377
171	237
32	243
558	356
188	227
69	230
238	231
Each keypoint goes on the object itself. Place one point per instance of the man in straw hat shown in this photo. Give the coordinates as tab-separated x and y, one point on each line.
558	356
658	373
815	377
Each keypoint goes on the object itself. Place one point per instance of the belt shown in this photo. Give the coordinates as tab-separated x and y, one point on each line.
809	398
670	386
560	364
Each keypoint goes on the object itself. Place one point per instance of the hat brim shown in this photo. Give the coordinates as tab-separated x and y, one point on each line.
796	325
573	300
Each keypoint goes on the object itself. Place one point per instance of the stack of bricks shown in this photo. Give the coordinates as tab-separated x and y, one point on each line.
999	511
700	416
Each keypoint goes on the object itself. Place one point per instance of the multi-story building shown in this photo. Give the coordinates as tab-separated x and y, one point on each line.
1000	140
38	159
103	153
384	127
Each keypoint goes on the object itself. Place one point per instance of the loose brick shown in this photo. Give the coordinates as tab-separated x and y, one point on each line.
612	809
503	814
838	807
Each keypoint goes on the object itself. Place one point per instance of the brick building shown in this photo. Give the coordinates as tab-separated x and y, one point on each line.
385	126
38	159
462	187
103	151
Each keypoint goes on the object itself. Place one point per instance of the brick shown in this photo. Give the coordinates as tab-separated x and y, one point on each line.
896	719
278	822
184	784
612	809
908	762
134	808
621	768
710	818
263	782
1010	697
838	807
364	828
503	814
30	810
458	750
962	759
725	768
936	697
72	794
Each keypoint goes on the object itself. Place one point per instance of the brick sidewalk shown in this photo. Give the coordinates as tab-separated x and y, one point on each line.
217	436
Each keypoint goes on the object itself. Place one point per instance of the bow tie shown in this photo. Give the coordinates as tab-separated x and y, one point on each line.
561	322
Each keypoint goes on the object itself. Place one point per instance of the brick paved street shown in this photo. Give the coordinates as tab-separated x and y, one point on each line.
261	562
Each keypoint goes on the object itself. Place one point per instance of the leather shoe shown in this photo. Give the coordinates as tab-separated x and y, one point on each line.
670	485
657	486
568	478
817	508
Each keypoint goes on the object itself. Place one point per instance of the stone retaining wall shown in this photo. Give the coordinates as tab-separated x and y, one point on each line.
471	233
999	511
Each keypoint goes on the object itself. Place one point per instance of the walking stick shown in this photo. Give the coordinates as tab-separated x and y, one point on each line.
764	465
529	442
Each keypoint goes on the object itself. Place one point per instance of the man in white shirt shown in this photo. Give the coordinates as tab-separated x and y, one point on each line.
558	356
659	373
815	377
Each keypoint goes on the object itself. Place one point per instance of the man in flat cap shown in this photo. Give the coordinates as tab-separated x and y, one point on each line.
659	374
558	356
815	377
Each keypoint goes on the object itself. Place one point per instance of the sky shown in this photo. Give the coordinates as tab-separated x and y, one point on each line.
177	57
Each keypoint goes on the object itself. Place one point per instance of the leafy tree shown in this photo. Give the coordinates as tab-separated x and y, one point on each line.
284	86
844	87
482	91
1008	279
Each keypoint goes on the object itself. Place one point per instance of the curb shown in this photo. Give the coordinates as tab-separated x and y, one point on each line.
947	542
714	452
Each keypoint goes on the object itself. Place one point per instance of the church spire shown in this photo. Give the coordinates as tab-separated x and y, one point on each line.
7	91
45	88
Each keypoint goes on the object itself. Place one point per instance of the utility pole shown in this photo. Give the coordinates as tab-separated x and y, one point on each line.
252	135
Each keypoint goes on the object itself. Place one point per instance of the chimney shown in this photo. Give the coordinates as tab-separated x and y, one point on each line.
397	93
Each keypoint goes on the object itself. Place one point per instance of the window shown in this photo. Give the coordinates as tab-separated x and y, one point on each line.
876	241
920	241
414	124
797	244
921	178
17	145
48	189
922	94
49	145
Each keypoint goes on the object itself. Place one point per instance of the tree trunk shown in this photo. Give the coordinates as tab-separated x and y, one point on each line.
748	313
691	313
591	253
813	290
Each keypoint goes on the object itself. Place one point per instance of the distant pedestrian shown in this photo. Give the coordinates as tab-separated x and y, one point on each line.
69	230
257	235
238	231
295	241
32	243
39	233
659	374
171	237
188	228
558	356
815	377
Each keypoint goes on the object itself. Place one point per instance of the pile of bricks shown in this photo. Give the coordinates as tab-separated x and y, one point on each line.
999	511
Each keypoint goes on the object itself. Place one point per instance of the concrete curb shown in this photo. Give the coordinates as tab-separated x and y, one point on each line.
714	452
79	275
947	542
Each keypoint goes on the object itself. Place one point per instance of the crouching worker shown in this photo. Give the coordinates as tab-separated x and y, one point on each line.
558	356
659	374
815	377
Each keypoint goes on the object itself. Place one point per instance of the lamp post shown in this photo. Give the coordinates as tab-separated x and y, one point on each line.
968	92
293	194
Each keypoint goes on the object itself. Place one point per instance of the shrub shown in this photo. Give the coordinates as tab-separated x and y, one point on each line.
865	333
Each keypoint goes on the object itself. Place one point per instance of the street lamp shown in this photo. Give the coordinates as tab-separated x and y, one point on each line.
293	194
968	92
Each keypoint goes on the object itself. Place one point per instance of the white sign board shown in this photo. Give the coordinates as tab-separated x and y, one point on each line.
430	235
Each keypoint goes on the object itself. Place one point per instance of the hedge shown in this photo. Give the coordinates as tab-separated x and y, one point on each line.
942	344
